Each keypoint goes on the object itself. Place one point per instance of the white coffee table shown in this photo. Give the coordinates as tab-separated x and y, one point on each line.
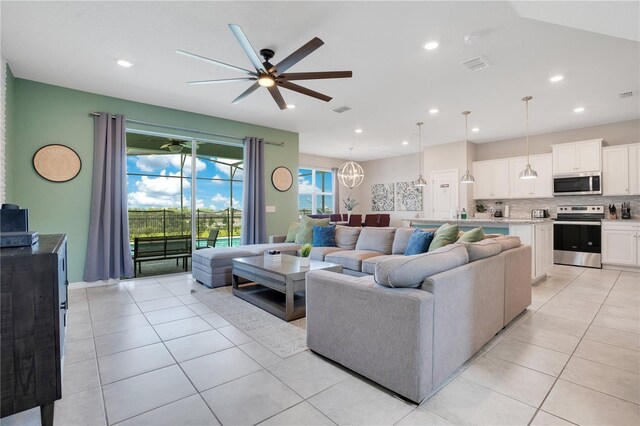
278	287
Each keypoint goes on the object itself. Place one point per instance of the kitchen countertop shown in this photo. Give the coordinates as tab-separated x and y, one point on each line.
492	220
634	221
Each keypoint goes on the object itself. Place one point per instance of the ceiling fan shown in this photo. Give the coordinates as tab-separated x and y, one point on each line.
272	76
174	145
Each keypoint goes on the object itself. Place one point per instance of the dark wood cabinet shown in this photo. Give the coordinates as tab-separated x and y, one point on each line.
33	296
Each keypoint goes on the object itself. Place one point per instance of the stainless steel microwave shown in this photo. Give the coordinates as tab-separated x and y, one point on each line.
577	184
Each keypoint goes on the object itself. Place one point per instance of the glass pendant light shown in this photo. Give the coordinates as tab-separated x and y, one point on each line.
420	182
467	177
350	174
528	172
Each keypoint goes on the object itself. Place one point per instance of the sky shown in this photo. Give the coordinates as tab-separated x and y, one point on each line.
161	189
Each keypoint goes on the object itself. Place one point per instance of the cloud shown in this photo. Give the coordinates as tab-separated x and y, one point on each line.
225	169
153	163
219	202
144	200
304	186
163	186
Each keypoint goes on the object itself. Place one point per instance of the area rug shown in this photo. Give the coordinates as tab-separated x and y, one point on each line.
280	337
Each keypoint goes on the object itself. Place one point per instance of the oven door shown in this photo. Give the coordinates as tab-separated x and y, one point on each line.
576	185
577	243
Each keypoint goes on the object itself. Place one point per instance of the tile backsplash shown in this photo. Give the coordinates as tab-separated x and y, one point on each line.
522	208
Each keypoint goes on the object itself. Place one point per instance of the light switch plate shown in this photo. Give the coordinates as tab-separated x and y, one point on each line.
271	209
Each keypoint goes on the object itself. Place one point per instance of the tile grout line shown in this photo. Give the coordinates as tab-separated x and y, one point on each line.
572	353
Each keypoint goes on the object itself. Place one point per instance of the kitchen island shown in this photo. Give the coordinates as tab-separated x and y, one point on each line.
538	233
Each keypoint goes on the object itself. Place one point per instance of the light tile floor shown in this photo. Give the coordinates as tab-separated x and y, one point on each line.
146	351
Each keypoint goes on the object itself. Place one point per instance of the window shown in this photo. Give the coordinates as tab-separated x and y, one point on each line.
315	191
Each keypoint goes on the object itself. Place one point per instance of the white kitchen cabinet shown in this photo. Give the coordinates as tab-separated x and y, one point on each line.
620	174
491	179
577	157
540	237
621	243
542	187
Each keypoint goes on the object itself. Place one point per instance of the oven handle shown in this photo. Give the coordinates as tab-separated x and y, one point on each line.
572	222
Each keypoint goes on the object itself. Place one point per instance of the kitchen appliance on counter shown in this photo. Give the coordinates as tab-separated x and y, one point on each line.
539	213
577	184
498	211
625	211
577	236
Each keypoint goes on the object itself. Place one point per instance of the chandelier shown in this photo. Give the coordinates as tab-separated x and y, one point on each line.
350	174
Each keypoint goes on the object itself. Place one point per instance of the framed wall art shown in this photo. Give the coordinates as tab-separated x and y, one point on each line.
282	179
57	163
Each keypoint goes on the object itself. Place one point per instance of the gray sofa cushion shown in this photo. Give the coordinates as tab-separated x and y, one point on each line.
211	258
318	253
376	239
369	265
351	259
481	249
401	240
411	271
509	241
347	236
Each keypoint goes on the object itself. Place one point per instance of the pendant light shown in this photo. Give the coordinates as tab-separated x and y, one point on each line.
420	182
528	172
350	174
467	177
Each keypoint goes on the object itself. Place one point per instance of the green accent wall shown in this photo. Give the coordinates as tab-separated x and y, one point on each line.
9	114
42	114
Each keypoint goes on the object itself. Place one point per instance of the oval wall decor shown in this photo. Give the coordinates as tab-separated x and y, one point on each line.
282	179
57	163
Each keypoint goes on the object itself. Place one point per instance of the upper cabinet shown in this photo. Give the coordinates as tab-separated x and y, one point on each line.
577	157
542	187
491	179
620	171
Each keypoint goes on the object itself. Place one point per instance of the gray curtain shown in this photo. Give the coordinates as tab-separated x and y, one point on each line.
336	190
254	221
108	251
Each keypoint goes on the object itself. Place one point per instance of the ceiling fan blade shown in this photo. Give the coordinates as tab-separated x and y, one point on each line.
303	90
316	75
277	96
246	46
298	55
225	80
166	145
212	61
246	93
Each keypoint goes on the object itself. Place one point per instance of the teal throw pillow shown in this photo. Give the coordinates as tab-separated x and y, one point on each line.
472	236
324	236
445	235
418	242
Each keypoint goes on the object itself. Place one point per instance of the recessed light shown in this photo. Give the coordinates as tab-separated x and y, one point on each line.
405	143
434	111
556	78
124	63
431	45
475	129
291	106
358	130
579	109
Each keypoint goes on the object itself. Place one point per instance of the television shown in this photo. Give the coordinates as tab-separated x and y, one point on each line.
13	219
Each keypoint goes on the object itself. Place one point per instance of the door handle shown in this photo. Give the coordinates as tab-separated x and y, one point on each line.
63	306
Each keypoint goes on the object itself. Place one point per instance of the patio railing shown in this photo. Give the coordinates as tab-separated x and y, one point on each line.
159	223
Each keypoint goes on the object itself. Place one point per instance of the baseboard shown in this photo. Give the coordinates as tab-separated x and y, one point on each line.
621	268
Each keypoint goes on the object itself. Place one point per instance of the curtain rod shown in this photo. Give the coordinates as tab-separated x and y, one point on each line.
146	123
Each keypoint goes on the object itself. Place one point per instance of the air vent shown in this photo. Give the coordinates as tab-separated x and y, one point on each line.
341	109
476	64
628	94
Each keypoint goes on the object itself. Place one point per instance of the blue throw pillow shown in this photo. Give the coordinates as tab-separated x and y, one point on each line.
324	236
419	242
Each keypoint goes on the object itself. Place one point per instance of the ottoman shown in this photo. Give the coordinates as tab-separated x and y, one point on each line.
212	266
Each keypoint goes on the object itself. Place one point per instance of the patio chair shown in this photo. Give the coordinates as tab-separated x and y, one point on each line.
213	236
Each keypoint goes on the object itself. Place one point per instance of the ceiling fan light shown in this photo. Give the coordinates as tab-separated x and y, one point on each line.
175	148
266	81
467	178
528	173
350	174
420	182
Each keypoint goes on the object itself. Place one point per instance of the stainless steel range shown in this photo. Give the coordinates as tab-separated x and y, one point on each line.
576	236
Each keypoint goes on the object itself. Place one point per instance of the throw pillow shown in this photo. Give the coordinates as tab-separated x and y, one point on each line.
472	236
445	235
411	271
324	236
305	232
291	232
419	242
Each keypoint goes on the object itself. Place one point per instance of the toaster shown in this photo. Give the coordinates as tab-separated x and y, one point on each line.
538	213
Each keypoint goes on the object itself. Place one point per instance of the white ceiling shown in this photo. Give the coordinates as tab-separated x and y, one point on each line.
395	81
